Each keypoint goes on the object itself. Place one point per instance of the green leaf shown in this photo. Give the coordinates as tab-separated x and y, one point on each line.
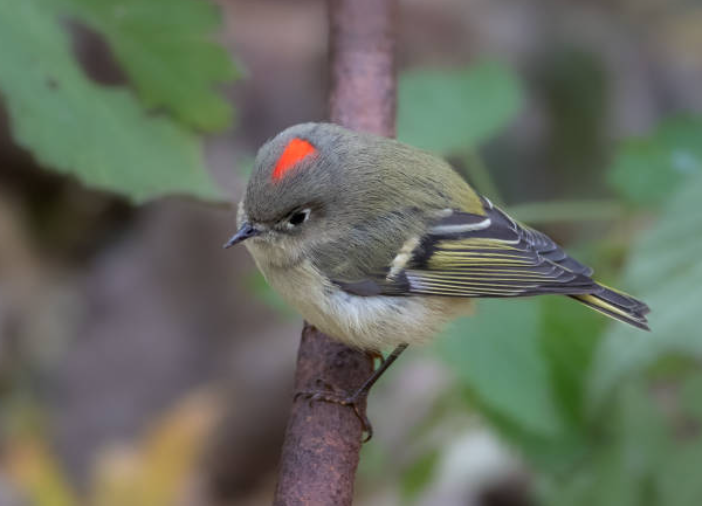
664	271
168	50
566	210
526	364
677	479
569	337
101	135
619	469
647	170
418	476
452	111
496	355
638	454
692	395
547	452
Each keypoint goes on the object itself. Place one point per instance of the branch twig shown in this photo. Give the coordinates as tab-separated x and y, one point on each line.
322	441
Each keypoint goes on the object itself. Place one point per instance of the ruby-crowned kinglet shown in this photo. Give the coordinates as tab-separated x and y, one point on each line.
379	244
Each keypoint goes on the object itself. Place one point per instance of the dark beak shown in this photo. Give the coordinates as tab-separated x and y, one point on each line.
245	232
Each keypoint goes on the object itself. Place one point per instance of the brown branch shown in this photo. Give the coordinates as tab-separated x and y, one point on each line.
363	94
322	441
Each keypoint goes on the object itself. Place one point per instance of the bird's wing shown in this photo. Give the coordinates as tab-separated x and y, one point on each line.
471	255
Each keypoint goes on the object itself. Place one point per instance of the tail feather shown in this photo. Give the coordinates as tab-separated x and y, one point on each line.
617	305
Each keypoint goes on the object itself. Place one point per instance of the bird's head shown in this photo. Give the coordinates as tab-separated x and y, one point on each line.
316	183
308	184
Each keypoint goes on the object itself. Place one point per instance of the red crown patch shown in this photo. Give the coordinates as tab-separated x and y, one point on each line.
296	151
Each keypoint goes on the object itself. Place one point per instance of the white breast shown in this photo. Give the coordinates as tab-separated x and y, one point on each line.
375	323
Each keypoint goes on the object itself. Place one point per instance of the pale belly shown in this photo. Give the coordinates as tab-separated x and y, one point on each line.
371	323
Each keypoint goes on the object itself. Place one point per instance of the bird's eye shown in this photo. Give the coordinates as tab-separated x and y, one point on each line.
299	217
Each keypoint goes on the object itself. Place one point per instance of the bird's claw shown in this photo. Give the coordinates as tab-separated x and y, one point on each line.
327	393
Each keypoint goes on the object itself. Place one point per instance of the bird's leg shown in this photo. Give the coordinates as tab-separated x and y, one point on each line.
327	394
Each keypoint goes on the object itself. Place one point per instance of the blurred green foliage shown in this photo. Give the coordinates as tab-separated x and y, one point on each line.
571	391
572	84
648	169
665	270
104	135
419	474
167	48
492	353
450	111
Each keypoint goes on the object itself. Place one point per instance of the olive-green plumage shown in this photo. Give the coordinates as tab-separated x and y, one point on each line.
379	243
366	191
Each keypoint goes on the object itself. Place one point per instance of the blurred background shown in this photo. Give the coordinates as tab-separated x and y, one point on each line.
141	364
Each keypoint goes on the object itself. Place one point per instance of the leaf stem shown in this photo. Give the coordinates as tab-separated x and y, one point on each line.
566	210
480	177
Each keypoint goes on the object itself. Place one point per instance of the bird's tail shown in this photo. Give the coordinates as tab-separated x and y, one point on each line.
617	305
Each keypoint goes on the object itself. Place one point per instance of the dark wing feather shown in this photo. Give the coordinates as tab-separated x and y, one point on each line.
470	255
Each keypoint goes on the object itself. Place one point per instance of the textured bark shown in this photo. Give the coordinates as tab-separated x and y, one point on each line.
322	440
363	94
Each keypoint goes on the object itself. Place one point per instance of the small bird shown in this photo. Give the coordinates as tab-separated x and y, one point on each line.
379	244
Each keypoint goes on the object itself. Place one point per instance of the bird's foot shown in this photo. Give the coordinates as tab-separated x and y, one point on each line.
327	393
